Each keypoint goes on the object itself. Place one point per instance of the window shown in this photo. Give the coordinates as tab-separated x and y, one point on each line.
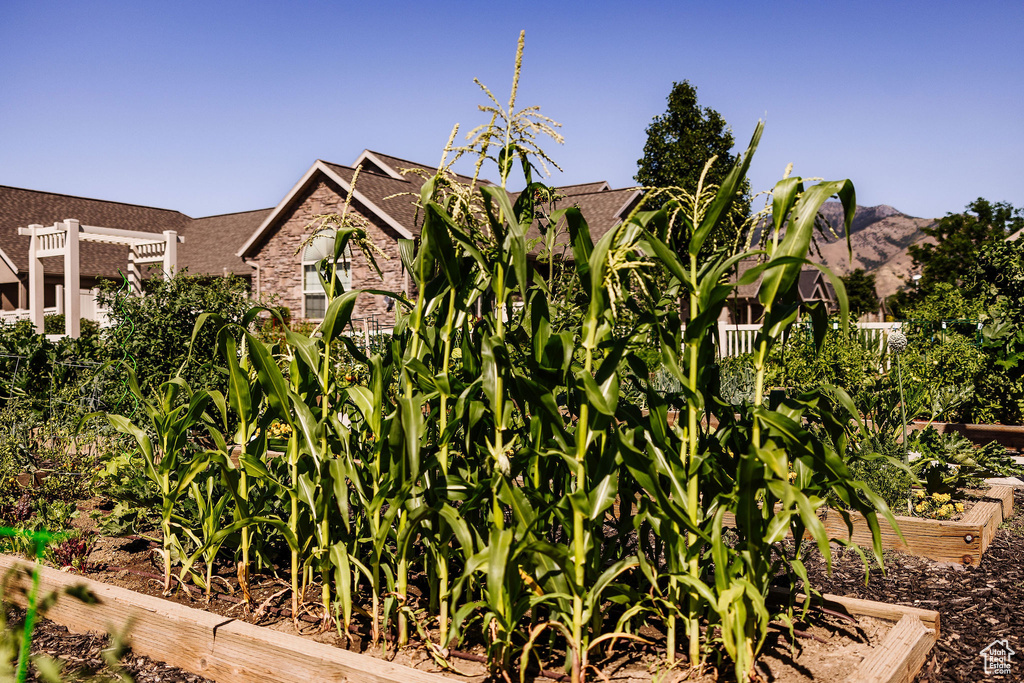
314	299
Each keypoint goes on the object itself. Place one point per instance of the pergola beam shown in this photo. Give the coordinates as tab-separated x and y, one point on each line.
63	240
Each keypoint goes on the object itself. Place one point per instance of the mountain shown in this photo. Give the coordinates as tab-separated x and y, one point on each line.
880	236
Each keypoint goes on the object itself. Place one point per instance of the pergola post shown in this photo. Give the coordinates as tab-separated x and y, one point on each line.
72	280
35	280
134	278
170	253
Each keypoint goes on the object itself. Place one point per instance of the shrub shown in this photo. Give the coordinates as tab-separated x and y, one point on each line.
154	332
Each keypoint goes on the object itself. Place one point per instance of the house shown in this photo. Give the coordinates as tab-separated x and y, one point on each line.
265	246
271	248
209	246
386	192
744	308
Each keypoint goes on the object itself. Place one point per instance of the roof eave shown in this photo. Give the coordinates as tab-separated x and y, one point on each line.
321	167
7	260
367	155
636	193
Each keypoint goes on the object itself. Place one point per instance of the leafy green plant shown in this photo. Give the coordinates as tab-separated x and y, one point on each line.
950	463
155	330
172	413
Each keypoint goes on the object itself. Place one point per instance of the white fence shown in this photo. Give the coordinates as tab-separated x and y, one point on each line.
90	308
736	340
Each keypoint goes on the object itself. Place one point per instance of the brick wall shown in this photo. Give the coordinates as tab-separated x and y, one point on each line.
281	265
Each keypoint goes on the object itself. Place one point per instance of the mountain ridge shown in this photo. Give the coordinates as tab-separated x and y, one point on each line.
879	236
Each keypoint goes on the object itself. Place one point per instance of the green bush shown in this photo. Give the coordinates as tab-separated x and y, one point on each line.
55	324
153	333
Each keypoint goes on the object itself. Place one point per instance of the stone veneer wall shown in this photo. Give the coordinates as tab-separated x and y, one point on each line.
281	266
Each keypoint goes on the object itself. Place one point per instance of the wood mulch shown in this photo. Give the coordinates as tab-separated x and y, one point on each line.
978	605
82	654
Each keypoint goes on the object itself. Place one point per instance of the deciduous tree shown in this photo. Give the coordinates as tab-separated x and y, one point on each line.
860	288
959	239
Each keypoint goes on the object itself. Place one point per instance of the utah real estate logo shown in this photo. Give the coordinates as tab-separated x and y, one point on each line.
997	658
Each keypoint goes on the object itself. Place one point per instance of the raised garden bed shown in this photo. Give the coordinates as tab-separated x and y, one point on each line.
229	650
1011	436
963	541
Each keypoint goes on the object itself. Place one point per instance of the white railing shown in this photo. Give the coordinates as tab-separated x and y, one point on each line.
736	340
90	309
23	314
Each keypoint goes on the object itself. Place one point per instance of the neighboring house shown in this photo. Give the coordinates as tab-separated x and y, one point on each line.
271	247
386	198
208	248
744	308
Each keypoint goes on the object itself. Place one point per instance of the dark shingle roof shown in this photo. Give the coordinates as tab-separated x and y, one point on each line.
584	188
808	282
211	242
398	165
602	211
19	208
209	247
395	197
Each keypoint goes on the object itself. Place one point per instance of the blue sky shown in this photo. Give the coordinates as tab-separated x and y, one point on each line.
213	107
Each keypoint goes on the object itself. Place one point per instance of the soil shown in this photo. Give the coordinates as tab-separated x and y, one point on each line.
83	654
978	605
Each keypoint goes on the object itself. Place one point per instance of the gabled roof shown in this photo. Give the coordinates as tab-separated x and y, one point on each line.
812	284
374	191
393	166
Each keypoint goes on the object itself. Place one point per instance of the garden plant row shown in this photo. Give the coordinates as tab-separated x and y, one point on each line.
458	485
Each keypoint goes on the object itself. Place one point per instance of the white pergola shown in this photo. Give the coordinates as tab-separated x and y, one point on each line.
62	239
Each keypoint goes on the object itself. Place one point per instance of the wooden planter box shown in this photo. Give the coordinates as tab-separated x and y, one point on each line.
230	651
963	541
903	650
1011	436
216	647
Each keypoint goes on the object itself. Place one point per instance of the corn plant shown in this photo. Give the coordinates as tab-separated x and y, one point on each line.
493	456
168	461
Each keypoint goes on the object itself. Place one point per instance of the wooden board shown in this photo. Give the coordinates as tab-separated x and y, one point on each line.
858	607
1005	495
940	540
963	541
902	652
1011	436
935	539
900	656
219	648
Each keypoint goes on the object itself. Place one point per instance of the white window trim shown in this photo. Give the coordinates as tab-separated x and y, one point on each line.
346	257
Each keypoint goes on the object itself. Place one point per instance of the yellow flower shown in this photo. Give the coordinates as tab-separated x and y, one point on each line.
959	507
792	477
920	507
919	493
